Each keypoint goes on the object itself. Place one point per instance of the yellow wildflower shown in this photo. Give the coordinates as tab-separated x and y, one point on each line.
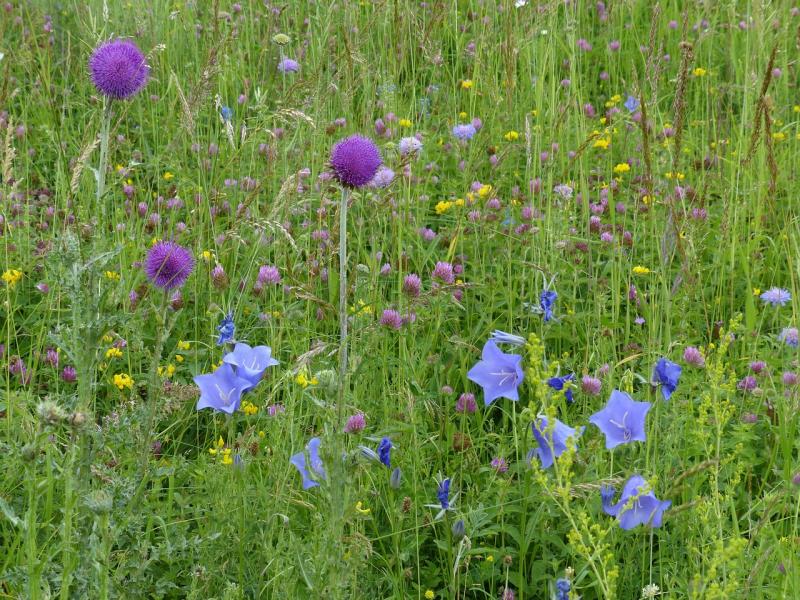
168	176
779	136
429	595
405	123
699	72
113	353
602	143
183	345
466	84
640	270
443	206
112	275
462	115
302	380
12	277
484	191
179	358
167	371
459	202
361	510
622	168
490	559
122	381
207	255
249	408
756	291
511	136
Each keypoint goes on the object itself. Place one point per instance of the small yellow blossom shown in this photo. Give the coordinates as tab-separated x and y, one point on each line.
12	277
207	256
249	408
490	559
484	191
511	136
535	113
779	136
179	358
302	380
361	510
459	202
677	175
107	339
640	270
220	442
443	206
183	345
167	371
462	115
646	200
112	275
261	434
622	168
226	459
429	595
699	72
122	381
212	451
113	353
602	143
756	291
168	176
466	84
405	123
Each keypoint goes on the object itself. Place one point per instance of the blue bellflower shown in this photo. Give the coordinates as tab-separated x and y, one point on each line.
443	494
226	329
384	452
558	384
250	362
501	337
634	507
666	374
313	469
226	113
622	419
546	302
499	374
221	390
552	442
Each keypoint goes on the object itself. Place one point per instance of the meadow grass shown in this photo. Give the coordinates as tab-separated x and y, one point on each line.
636	158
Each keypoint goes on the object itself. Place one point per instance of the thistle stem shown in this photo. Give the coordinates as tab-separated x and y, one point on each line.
105	131
342	306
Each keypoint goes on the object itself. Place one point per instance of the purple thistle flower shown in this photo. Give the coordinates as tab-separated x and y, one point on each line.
118	69
776	296
168	265
666	374
250	362
221	390
634	507
499	374
317	471
622	419
355	423
552	442
355	160
384	452
288	65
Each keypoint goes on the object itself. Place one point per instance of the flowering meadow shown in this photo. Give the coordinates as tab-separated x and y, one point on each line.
475	299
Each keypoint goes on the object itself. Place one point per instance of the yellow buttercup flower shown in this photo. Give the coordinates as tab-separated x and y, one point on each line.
484	191
429	595
443	206
640	270
168	176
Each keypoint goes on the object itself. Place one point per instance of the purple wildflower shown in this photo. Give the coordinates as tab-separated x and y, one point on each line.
552	441
634	507
464	132
499	374
591	385
355	160
118	69
355	423
317	471
168	265
694	357
411	285
776	296
622	419
444	272
667	374
391	319
288	65
466	403
789	336
499	464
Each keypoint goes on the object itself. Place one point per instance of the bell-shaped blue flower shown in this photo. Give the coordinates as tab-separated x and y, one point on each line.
666	374
558	384
546	302
221	390
312	469
226	330
622	419
499	374
552	441
384	452
634	507
250	362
